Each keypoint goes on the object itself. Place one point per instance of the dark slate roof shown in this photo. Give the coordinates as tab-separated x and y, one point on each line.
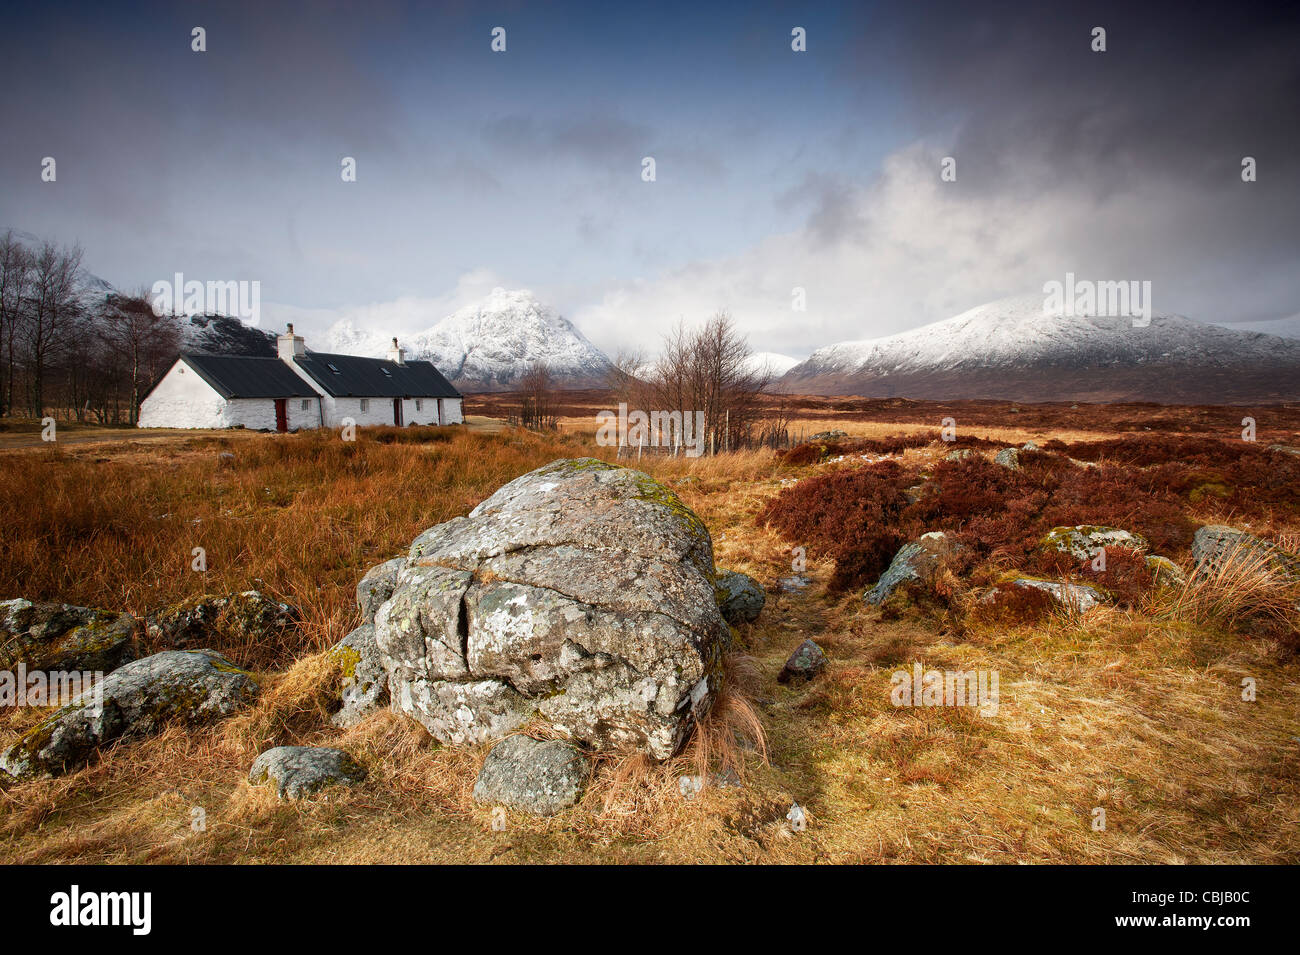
349	376
242	376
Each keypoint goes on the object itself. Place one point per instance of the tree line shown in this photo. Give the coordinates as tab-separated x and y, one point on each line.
67	353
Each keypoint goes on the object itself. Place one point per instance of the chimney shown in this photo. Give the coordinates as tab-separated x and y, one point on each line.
396	354
290	346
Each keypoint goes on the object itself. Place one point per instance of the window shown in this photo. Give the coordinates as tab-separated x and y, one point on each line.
365	405
333	367
386	371
306	404
417	404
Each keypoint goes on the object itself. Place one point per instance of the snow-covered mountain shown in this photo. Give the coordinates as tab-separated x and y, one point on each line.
488	345
771	363
213	334
1010	349
1284	327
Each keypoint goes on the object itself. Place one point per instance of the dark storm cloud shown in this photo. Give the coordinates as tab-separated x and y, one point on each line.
1160	121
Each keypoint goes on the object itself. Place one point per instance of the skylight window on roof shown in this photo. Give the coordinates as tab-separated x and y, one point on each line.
333	367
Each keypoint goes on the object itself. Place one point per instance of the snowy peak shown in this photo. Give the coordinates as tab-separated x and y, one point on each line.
486	346
1014	348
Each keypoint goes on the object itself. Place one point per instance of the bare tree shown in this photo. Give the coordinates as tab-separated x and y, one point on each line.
51	313
709	370
140	340
537	399
15	282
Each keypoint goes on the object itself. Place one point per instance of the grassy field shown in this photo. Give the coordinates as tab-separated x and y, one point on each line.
1135	709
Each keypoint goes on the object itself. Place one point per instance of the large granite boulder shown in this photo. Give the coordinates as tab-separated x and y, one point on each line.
53	637
916	563
538	777
248	616
582	593
300	771
142	697
377	586
365	681
740	596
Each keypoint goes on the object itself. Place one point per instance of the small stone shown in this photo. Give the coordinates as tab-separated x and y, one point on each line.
250	615
915	563
541	778
137	699
806	662
1076	597
961	454
744	597
1214	543
1086	540
60	637
299	771
1165	572
1008	458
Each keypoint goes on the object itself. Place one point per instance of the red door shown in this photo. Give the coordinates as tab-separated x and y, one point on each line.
282	414
397	412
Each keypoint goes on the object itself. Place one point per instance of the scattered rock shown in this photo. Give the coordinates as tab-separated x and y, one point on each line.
1077	597
1029	446
1165	572
794	584
365	681
61	637
961	454
225	459
299	771
915	563
913	493
1285	449
139	698
805	663
828	436
377	586
1086	540
1008	458
250	615
742	597
1213	543
582	592
539	778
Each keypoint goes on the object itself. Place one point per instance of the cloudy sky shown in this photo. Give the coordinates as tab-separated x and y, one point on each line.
775	169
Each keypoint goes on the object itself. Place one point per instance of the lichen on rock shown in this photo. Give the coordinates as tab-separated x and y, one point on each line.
581	592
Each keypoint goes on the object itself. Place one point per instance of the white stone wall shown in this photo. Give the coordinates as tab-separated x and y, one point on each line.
182	400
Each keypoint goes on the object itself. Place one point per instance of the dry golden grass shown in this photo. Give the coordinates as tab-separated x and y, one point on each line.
1136	712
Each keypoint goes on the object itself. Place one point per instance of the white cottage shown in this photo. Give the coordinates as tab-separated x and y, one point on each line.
299	389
